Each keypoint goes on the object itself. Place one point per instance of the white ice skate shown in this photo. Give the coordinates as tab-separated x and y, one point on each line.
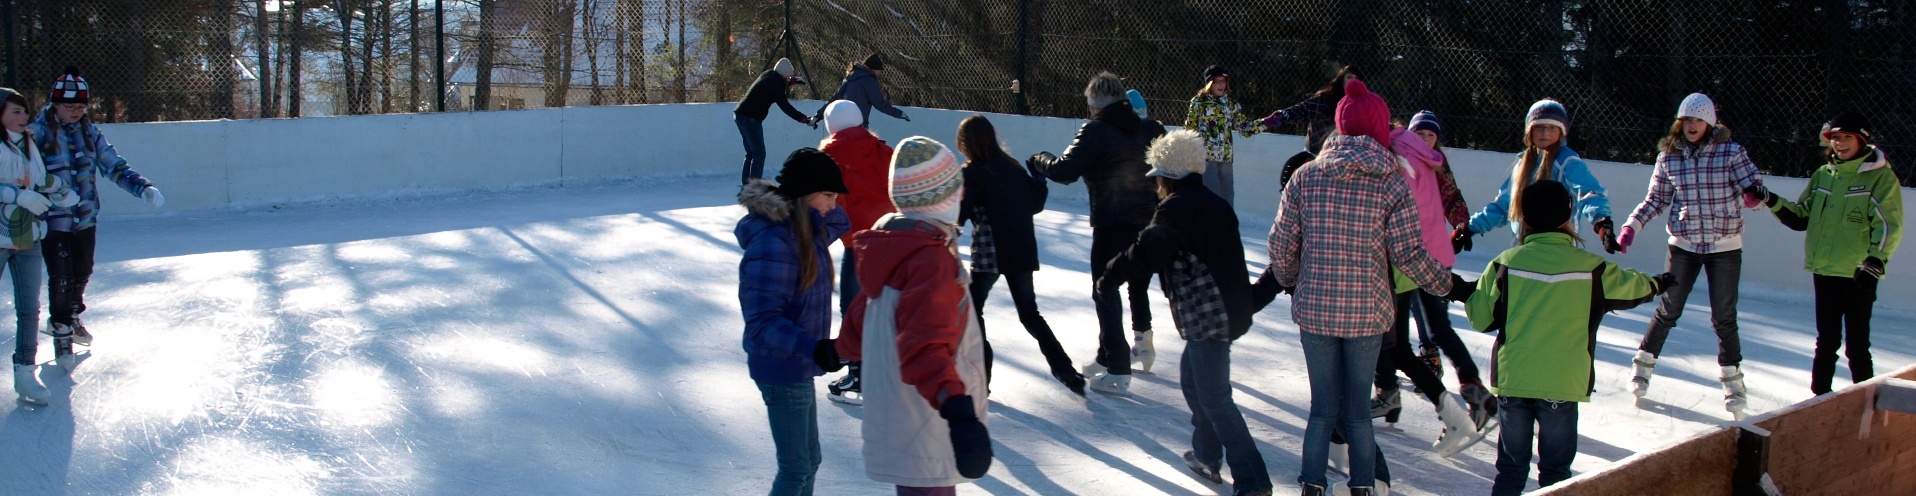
1646	366
1459	430
1143	351
28	385
1380	488
1735	395
1103	381
1340	459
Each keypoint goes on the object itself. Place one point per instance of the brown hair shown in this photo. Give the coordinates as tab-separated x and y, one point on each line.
1204	91
802	238
978	141
1335	88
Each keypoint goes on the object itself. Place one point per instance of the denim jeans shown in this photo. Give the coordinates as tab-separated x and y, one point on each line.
1723	269
1218	430
753	132
1553	424
1433	315
1340	375
793	409
1026	300
1217	176
1114	347
1843	308
69	264
28	271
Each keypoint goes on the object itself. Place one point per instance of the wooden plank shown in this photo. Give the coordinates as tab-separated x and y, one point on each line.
1700	466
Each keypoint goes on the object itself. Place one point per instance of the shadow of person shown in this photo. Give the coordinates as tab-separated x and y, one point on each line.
38	440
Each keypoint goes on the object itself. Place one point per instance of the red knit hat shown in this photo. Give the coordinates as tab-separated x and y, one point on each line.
1362	113
69	87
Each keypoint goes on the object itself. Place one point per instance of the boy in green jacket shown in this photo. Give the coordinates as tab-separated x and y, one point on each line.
1547	295
1853	210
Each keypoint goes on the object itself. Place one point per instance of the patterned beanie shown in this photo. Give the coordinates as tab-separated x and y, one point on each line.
69	87
925	179
1547	111
1699	106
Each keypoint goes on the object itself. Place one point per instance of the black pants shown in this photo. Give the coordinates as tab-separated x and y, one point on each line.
69	258
1842	302
1398	355
1026	300
1435	315
1114	348
1723	269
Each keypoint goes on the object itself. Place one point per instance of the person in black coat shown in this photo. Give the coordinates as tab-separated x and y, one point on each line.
1000	199
1194	246
1108	154
750	114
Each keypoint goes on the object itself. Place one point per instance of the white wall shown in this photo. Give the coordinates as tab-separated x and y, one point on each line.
225	164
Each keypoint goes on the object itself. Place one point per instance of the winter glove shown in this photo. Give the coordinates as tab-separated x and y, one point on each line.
1460	239
1460	289
153	197
826	355
1872	267
794	80
33	201
970	443
1756	194
901	115
1624	238
1031	164
1607	232
1265	290
1272	122
1665	281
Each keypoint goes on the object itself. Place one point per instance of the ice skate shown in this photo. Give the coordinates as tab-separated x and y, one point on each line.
1380	489
1388	404
1340	458
1143	352
28	386
1460	431
1208	471
63	338
1483	405
847	389
1071	378
80	335
1646	365
1429	354
1735	395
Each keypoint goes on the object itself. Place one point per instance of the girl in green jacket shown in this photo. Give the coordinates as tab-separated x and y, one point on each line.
1853	211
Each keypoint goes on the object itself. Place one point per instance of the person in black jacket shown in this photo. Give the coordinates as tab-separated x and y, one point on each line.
1108	154
750	114
1000	199
1194	246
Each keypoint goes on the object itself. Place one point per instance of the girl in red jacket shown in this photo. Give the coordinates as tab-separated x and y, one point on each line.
865	162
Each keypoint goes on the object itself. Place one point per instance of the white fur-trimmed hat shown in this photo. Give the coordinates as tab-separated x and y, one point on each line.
1176	154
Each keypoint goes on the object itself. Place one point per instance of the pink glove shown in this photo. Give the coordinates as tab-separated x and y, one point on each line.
1750	200
1624	238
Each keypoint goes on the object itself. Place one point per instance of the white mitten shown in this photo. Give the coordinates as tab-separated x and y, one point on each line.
33	201
153	197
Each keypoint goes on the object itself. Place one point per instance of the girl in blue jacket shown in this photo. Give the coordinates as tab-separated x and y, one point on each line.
785	292
1545	156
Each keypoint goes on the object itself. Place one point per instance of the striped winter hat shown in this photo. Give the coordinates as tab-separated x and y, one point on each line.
1547	111
69	87
925	179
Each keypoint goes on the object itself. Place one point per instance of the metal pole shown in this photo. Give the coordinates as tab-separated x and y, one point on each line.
13	63
439	57
1019	85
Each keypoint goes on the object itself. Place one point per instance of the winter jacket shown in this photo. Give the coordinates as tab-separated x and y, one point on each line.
1109	154
861	87
1852	209
1592	203
1320	114
79	154
1008	197
768	89
1345	219
1456	210
783	324
1703	187
1193	245
1216	117
1420	161
911	325
865	162
21	167
1548	296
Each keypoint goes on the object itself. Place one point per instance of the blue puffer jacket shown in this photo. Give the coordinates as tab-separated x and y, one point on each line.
78	154
783	324
1592	203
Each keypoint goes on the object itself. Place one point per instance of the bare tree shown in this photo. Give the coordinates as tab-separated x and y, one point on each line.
590	30
482	84
295	60
556	64
413	102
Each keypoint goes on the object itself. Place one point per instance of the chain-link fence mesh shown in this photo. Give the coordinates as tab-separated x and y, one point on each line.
1776	70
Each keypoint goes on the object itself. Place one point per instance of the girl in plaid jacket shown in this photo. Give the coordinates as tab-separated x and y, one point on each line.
1700	175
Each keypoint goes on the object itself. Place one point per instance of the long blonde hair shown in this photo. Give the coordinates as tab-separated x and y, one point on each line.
1534	164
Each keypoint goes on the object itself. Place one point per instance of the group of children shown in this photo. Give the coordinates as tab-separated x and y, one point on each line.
50	168
1161	204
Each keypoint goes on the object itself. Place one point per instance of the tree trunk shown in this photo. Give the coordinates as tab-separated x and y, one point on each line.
722	41
412	26
587	29
557	59
385	56
679	79
345	11
264	70
482	84
295	60
220	46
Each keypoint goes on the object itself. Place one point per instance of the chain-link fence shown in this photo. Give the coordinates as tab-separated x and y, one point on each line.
1776	70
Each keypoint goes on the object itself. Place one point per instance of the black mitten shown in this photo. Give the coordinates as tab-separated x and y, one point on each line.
970	444
1607	232
1665	281
826	355
1264	291
1460	239
1460	289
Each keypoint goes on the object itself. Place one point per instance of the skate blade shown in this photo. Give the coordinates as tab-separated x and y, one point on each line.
849	398
30	402
1472	440
68	363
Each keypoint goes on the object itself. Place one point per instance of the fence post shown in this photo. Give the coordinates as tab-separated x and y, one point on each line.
1021	84
439	54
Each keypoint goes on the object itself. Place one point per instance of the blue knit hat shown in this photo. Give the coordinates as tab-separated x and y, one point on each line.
1547	111
1426	121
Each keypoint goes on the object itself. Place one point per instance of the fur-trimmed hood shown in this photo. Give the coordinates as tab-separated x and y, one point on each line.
1674	144
760	197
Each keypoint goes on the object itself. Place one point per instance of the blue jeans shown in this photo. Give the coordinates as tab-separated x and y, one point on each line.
793	409
1114	348
753	132
29	270
1340	370
1218	429
1553	424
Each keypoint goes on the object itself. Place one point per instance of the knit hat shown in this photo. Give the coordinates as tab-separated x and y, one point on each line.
1362	113
875	62
808	171
69	87
1848	122
1137	103
1425	121
783	67
1216	71
925	179
1103	90
842	115
1176	154
1546	206
1547	111
1699	106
